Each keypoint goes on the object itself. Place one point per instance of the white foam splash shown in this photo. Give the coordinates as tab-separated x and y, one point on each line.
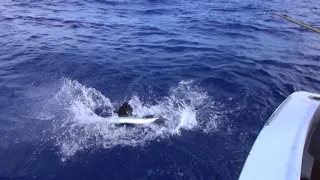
81	128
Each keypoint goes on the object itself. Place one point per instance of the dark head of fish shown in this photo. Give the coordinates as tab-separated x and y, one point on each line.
125	110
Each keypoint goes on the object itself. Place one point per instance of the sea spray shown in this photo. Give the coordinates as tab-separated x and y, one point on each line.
81	128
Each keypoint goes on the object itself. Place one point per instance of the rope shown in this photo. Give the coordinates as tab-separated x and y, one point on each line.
297	22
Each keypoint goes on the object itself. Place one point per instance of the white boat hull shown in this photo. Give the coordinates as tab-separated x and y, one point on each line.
280	152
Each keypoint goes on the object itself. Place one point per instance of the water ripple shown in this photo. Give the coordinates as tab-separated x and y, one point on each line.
243	59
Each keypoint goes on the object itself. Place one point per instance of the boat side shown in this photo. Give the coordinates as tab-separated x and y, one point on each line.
278	150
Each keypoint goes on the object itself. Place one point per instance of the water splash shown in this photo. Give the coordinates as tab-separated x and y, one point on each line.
81	128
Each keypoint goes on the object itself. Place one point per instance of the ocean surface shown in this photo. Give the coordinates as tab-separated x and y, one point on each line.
215	69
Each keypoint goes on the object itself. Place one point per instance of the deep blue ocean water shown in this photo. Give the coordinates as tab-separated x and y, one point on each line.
215	69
